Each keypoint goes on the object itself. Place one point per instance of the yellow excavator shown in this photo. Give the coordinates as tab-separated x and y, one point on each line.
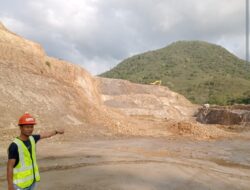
157	82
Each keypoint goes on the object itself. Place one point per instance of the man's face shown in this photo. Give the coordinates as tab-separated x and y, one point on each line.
27	130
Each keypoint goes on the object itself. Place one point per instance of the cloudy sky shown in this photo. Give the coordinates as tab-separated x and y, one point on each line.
98	34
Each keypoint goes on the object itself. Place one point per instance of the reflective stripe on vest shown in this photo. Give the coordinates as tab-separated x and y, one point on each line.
23	174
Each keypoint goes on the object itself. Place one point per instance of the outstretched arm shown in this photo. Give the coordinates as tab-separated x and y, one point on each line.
48	134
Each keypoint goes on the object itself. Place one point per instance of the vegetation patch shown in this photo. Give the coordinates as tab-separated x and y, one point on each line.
48	64
202	72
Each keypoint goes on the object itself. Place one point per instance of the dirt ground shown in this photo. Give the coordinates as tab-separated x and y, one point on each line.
143	163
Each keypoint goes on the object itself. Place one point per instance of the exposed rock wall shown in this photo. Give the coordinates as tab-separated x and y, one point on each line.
145	100
231	115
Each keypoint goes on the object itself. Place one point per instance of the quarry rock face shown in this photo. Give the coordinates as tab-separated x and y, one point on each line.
145	100
231	115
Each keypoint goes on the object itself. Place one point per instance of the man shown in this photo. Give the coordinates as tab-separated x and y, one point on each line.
22	168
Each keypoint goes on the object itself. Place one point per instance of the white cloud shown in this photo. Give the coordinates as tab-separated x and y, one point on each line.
97	34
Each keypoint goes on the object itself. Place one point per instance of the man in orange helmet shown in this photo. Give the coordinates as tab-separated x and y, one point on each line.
22	168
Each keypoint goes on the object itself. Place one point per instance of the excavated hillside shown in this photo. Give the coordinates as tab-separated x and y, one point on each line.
145	100
61	94
57	93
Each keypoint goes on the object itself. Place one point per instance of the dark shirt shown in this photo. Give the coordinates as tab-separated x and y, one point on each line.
13	149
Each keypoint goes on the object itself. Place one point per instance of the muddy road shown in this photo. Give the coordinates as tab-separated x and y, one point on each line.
143	164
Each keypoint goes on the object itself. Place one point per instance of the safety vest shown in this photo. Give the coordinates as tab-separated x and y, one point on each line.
26	171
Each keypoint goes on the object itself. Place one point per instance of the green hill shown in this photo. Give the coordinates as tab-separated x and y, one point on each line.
202	72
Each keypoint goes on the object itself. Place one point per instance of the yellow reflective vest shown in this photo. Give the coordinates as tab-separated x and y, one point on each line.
26	171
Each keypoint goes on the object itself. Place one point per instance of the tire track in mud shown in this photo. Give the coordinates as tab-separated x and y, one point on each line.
128	162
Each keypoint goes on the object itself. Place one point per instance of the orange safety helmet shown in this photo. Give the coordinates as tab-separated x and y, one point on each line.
27	119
